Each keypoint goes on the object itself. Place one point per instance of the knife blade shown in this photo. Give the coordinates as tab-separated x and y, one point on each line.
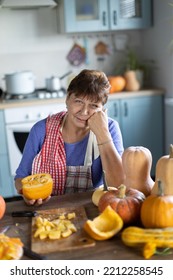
3	229
24	214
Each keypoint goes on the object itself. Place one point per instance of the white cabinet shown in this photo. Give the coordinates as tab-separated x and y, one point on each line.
104	15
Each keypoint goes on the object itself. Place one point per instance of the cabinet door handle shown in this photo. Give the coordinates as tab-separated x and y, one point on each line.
104	18
115	17
125	109
115	110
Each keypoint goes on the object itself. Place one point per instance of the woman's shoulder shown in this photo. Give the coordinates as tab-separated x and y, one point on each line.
56	117
40	124
112	123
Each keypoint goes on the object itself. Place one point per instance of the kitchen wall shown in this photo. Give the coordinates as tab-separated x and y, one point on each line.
29	40
156	45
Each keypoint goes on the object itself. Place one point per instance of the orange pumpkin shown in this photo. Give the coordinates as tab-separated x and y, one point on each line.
117	83
2	207
157	209
137	162
126	202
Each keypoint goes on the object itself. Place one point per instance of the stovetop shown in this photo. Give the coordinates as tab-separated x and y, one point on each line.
37	94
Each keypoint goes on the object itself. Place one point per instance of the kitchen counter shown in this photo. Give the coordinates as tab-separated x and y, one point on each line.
35	101
112	249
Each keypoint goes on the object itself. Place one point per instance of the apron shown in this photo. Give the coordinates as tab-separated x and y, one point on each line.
79	178
52	159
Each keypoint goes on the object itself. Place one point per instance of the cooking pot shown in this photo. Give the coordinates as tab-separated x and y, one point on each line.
20	82
54	83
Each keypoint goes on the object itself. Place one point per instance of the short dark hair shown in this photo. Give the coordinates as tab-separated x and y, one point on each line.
92	84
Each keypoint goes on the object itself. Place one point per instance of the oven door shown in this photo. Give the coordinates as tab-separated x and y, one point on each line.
16	137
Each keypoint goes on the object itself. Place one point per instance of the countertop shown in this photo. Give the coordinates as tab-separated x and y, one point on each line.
37	102
112	249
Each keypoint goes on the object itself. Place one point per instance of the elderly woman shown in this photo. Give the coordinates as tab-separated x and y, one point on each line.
76	145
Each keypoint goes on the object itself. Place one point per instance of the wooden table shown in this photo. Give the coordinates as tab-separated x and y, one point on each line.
112	249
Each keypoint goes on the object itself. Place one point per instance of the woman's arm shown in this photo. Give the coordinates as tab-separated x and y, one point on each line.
18	185
32	147
110	153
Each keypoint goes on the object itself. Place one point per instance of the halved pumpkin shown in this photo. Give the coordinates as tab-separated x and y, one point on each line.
104	226
37	186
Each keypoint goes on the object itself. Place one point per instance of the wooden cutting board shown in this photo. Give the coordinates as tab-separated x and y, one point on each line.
79	239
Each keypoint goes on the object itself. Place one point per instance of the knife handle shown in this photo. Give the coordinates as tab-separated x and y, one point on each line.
24	214
31	254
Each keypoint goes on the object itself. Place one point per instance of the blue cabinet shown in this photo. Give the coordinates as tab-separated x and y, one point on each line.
85	15
104	15
7	188
141	123
126	14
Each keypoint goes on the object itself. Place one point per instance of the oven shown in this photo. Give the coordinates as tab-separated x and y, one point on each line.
18	122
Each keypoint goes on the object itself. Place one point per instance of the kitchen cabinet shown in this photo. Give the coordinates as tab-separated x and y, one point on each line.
141	122
6	181
104	15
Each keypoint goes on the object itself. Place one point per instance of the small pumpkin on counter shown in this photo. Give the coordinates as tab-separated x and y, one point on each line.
2	207
117	83
105	225
126	202
157	209
37	186
164	172
137	162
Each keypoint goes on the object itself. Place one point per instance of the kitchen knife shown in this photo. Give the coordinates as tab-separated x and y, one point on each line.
32	255
24	214
3	229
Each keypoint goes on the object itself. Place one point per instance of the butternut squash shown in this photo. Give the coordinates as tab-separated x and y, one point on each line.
137	162
132	84
164	172
149	239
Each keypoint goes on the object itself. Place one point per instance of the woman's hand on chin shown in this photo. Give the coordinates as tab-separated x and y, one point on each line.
37	202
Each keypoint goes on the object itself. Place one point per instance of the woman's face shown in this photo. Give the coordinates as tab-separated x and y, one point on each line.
80	109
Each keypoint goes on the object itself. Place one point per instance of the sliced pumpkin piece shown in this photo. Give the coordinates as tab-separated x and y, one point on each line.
37	186
104	226
10	248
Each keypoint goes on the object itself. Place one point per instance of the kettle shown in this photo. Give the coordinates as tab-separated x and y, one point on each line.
54	83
